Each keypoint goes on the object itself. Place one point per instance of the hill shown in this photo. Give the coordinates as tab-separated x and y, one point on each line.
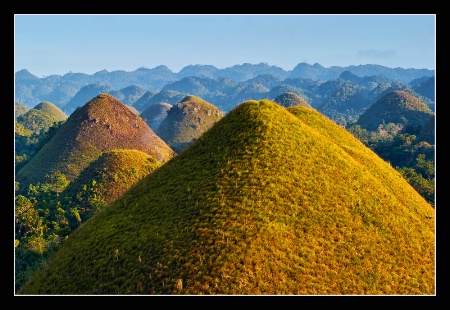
187	121
19	109
428	132
110	176
289	99
40	118
155	114
51	109
268	201
85	94
396	107
102	124
150	97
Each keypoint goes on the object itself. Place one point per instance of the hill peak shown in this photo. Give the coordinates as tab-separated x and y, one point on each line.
397	107
102	124
187	121
268	201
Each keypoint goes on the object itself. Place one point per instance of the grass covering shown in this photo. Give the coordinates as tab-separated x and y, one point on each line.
102	124
290	99
51	109
114	172
268	201
187	121
396	107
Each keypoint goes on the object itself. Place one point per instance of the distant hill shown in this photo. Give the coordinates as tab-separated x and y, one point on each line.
85	94
396	107
155	114
128	95
269	201
30	89
20	109
289	99
149	98
426	88
102	124
187	121
428	131
51	109
40	118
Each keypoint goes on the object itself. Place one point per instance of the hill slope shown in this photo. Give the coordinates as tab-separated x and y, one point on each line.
41	117
155	114
187	121
396	107
265	202
111	175
102	124
51	109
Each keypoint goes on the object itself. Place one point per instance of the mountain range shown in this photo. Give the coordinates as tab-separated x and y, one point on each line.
214	85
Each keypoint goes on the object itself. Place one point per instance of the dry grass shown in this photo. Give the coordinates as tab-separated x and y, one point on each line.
265	202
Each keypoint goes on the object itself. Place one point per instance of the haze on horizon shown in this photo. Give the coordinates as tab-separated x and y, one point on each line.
58	44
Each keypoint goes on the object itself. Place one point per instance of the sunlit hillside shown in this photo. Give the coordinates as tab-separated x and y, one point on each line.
268	201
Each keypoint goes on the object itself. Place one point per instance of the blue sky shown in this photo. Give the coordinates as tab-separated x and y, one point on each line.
58	44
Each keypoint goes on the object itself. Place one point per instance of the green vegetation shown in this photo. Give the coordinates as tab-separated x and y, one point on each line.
20	109
396	107
290	99
51	109
33	128
399	128
51	211
406	149
268	201
187	121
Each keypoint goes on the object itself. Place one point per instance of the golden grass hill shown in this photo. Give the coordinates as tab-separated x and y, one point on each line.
102	124
187	121
269	201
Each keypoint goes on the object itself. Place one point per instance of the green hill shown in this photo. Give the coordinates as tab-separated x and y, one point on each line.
40	118
269	201
102	124
51	109
396	107
187	121
290	99
428	131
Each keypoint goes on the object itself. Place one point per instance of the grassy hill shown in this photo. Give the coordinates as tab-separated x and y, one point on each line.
398	107
268	201
187	121
40	118
51	109
102	124
155	114
109	177
290	99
